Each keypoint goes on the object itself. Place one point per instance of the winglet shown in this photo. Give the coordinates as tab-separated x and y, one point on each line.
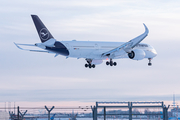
139	38
128	46
146	29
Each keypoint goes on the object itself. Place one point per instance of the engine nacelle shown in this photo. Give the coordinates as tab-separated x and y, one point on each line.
137	54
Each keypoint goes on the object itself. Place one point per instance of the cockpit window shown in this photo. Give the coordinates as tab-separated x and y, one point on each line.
141	45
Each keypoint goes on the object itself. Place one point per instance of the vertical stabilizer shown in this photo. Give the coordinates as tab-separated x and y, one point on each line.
43	32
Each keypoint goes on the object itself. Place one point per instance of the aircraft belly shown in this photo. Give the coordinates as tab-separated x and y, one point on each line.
86	53
74	53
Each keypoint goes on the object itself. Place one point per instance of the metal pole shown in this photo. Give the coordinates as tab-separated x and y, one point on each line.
14	107
92	112
104	113
95	113
10	115
48	115
130	110
18	112
49	111
165	112
166	116
23	114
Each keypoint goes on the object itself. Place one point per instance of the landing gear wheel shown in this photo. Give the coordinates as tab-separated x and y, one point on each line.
149	64
111	63
86	65
90	66
93	66
107	63
89	63
114	63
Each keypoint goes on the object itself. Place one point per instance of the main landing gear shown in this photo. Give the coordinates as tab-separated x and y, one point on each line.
88	64
149	64
111	63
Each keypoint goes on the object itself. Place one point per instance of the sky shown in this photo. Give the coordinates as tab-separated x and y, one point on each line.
39	78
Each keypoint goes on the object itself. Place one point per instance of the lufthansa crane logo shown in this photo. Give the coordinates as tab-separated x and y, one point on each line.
44	34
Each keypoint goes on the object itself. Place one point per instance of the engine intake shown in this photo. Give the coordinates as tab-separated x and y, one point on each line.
136	54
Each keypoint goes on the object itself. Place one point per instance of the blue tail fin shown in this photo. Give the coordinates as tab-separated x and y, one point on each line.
43	32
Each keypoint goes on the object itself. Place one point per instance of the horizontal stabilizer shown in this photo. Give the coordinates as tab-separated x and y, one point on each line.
18	46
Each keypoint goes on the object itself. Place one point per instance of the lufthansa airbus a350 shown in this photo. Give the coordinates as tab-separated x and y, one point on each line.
93	52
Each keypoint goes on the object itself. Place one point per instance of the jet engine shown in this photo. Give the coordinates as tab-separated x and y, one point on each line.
136	54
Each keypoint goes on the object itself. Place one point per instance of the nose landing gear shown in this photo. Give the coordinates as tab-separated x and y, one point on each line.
111	63
149	64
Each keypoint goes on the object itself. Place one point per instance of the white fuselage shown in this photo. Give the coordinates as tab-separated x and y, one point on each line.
94	50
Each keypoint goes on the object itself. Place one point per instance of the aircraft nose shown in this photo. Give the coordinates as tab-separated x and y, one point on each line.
154	52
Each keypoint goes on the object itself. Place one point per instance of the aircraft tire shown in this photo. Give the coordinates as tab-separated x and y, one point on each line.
149	64
90	65
107	63
93	66
86	65
111	64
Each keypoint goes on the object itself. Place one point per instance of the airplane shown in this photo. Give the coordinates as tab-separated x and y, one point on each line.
93	52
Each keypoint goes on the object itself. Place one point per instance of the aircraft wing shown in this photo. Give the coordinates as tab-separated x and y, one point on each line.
18	46
128	46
